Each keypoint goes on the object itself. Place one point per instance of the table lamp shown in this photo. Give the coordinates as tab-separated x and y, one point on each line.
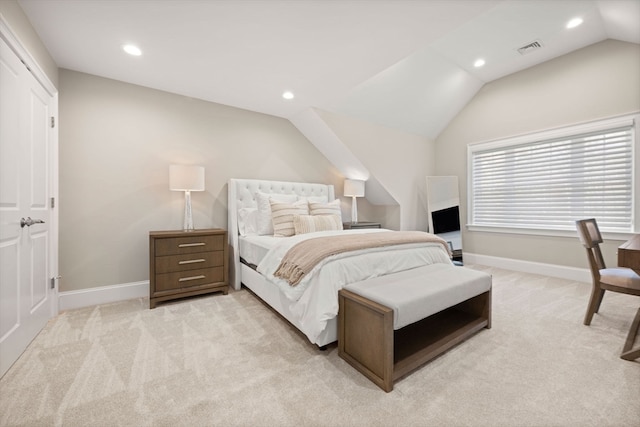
354	188
186	178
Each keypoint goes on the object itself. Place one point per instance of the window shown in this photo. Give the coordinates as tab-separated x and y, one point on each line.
546	181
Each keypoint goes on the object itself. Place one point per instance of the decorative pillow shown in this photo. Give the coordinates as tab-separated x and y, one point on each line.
282	216
308	224
331	208
264	224
248	221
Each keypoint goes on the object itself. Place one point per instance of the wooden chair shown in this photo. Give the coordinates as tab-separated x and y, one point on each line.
623	280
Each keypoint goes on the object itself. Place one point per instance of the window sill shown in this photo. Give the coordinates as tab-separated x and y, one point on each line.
606	235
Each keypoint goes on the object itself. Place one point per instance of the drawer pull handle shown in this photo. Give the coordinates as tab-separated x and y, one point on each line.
189	245
186	279
190	261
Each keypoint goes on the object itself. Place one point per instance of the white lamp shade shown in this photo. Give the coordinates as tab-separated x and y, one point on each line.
353	188
186	178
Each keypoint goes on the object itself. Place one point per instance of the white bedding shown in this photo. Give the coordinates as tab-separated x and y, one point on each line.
314	301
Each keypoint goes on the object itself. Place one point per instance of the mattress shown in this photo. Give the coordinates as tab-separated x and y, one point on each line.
254	248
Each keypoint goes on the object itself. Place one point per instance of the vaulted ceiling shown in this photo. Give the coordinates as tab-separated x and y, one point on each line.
407	65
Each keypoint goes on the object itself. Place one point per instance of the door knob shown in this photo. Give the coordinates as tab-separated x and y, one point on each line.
29	222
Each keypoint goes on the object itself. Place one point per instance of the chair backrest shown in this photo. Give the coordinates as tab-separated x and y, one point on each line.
589	233
591	238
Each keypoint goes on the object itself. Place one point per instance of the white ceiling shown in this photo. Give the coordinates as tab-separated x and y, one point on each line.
403	64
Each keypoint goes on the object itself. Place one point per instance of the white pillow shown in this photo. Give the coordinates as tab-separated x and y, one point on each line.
309	224
282	216
264	224
331	208
248	221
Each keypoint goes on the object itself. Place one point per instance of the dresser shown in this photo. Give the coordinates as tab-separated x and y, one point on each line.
187	263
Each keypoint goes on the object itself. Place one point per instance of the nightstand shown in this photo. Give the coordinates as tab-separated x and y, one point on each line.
187	263
358	225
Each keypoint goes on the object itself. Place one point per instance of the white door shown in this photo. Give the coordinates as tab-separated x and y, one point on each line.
25	162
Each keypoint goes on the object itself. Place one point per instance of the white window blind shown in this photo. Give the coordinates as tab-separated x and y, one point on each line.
550	183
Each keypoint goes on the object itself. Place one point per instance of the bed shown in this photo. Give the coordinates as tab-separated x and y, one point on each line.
312	304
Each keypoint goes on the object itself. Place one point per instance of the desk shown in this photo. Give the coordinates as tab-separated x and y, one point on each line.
629	254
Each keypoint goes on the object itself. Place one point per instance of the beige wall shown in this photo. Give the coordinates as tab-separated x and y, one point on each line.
22	29
398	160
117	140
599	81
116	143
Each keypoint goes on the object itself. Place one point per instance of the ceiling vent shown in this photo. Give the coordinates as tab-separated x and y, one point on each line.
534	45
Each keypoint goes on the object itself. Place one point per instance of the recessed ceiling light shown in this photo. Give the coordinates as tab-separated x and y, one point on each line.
574	23
132	50
479	63
288	95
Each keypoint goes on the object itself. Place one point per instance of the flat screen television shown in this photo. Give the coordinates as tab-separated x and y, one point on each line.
446	220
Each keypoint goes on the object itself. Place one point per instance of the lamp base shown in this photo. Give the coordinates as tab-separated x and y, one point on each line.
354	210
188	218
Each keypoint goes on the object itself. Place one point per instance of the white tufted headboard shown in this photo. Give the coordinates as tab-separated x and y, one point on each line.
242	195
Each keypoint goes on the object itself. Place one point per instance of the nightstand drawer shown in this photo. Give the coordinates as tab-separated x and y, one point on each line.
359	225
190	244
185	279
170	263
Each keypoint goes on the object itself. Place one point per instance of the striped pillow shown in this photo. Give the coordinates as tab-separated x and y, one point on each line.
264	223
282	216
308	224
331	208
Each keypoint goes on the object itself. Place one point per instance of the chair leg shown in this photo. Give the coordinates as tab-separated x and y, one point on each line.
594	303
599	300
628	352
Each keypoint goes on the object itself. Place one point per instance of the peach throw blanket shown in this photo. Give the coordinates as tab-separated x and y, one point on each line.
304	256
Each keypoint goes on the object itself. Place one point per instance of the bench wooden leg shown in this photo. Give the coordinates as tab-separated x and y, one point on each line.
365	337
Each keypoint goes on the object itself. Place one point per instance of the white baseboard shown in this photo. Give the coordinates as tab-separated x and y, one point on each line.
553	270
101	295
106	294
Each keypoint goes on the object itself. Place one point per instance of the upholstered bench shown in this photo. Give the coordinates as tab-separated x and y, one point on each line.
391	325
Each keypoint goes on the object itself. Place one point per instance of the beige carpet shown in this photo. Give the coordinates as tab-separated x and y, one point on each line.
230	361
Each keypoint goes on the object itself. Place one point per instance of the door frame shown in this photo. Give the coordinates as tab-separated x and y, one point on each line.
7	34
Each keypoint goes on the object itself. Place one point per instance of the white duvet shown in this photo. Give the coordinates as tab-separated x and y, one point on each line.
314	301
